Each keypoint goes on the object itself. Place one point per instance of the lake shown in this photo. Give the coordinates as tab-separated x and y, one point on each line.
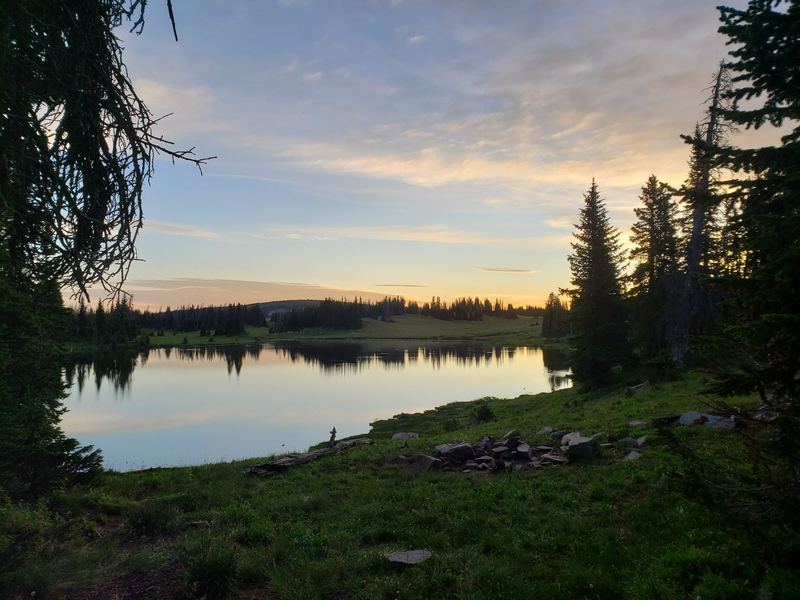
188	406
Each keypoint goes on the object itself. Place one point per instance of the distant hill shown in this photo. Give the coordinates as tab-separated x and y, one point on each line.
281	306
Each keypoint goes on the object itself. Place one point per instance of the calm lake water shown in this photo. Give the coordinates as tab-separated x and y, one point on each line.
192	406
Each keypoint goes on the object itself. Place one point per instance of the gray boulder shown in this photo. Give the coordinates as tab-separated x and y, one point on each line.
462	451
577	446
405	435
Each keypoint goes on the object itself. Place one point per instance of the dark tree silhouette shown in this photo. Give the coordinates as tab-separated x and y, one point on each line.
598	314
654	255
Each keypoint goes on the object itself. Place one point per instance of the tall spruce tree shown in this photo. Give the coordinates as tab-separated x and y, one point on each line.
765	61
654	235
598	312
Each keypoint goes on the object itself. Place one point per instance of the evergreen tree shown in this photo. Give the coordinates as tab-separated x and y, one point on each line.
766	71
654	235
554	321
597	306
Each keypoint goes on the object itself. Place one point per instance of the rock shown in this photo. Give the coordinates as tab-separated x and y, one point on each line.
405	435
200	523
499	450
442	448
641	441
543	449
557	435
482	446
462	451
633	455
606	445
423	462
514	434
637	423
577	446
470	464
765	413
553	459
499	464
408	557
484	459
523	448
697	418
546	430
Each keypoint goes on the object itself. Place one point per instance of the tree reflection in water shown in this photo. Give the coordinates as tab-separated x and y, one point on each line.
332	357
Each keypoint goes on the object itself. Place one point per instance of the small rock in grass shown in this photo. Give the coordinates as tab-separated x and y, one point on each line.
557	435
408	557
546	430
641	441
633	455
405	435
637	423
514	434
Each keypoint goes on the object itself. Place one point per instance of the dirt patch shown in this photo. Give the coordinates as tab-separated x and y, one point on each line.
165	583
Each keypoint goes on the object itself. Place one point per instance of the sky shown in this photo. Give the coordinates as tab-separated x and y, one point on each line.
420	148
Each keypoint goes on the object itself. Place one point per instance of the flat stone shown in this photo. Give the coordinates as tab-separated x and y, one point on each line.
543	449
484	459
546	430
697	418
554	459
499	450
641	441
637	423
514	434
633	455
523	448
405	435
408	557
423	462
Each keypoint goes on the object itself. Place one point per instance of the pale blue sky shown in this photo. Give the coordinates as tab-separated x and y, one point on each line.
373	145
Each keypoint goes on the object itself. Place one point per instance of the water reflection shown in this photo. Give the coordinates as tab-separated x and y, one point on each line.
192	405
331	357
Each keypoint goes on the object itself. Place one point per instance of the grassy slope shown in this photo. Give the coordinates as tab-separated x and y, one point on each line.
614	529
523	330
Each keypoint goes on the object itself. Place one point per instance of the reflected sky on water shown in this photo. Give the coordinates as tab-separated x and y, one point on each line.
186	406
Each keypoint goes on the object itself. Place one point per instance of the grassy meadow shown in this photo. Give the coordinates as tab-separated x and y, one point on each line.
607	529
522	330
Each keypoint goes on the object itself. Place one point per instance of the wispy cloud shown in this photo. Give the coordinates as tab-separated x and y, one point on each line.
179	230
560	222
401	285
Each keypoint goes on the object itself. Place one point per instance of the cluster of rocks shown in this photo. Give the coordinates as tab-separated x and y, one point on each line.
508	453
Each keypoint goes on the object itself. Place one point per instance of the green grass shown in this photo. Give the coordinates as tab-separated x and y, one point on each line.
610	529
523	331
